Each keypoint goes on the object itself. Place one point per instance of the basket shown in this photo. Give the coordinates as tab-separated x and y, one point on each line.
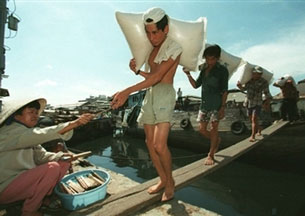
81	200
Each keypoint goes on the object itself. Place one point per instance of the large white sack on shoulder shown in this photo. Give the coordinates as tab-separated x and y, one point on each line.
246	74
133	28
281	81
230	61
190	35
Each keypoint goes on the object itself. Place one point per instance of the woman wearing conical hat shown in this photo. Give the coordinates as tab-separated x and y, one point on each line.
28	171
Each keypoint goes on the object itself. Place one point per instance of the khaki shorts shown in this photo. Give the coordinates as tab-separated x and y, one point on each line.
158	104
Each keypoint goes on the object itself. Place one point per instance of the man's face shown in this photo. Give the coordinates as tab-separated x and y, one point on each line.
155	36
211	60
256	76
29	117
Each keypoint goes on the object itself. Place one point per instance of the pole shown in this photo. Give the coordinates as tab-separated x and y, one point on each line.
3	15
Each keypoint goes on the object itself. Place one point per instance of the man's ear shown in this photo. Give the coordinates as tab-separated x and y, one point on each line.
166	29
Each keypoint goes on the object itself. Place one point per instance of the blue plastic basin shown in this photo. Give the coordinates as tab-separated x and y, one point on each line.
77	201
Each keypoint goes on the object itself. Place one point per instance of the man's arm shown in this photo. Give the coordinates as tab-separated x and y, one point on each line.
224	99
161	70
190	78
224	89
276	85
132	66
266	91
223	105
240	86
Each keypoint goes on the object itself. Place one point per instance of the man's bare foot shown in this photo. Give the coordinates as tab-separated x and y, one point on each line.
209	160
168	192
156	188
167	196
252	139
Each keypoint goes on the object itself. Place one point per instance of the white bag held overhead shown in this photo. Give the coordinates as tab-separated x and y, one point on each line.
246	74
281	81
190	35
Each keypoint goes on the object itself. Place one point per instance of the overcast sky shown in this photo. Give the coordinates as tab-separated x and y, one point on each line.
67	50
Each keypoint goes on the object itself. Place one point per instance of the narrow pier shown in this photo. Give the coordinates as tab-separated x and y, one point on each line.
136	198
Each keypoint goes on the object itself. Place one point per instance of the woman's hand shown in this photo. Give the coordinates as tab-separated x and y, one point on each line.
84	119
68	157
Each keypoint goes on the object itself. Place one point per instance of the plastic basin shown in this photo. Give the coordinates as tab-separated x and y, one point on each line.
77	201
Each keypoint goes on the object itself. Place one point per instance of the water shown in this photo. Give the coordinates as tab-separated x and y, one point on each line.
240	188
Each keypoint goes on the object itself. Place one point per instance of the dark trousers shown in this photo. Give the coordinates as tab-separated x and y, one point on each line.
289	109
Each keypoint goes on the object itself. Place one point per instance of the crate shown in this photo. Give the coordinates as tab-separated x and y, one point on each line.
81	200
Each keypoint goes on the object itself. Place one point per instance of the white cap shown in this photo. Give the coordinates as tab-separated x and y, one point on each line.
155	14
257	69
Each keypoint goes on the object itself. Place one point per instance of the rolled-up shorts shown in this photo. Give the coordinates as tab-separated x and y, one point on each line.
256	110
158	104
206	116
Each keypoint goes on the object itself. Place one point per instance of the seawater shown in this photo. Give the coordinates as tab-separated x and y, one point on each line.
243	187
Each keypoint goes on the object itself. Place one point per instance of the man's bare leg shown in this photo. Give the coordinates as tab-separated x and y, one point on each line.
254	124
149	133
160	137
203	130
214	143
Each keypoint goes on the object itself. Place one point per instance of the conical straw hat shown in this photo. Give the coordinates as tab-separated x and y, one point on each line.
11	106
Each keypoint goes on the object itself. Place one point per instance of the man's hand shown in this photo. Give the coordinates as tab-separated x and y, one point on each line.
266	105
132	65
239	85
186	71
119	99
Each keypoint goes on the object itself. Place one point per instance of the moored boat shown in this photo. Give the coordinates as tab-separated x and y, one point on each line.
184	131
101	125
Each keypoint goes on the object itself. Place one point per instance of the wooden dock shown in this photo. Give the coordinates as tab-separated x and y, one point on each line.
136	198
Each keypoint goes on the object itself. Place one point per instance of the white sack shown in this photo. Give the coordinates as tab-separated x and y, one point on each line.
189	34
246	73
230	61
281	81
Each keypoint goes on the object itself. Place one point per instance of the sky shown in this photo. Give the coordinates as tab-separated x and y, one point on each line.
68	50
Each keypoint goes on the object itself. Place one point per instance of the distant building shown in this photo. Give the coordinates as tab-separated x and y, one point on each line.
301	88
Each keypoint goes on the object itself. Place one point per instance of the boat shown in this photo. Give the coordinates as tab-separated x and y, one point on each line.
101	125
184	132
